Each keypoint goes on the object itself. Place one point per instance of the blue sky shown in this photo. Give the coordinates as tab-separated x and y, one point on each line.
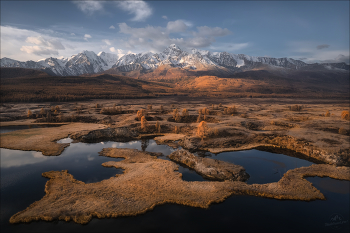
312	31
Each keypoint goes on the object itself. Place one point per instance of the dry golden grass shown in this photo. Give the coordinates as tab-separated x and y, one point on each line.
141	113
202	129
345	115
144	123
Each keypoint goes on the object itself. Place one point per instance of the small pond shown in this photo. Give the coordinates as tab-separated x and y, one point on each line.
22	184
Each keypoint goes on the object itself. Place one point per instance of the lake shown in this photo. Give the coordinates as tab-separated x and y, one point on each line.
22	184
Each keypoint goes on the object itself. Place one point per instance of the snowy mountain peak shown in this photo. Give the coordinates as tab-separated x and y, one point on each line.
174	46
88	62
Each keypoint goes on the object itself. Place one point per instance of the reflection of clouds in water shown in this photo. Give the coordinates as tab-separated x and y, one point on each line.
153	143
16	158
37	154
114	145
90	158
132	143
65	140
102	143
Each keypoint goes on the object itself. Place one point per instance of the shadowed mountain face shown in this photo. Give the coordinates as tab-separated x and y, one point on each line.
196	62
28	85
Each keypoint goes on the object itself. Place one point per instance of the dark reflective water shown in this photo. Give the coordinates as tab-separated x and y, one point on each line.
22	184
6	129
263	167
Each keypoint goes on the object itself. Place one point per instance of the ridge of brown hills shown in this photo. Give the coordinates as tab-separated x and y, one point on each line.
27	85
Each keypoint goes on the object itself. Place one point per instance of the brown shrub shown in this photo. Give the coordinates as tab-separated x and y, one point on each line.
175	112
29	114
144	123
345	115
141	113
42	111
230	110
98	106
157	126
205	111
52	108
185	113
57	108
199	119
149	107
177	117
220	105
176	130
161	108
342	131
328	114
295	107
202	129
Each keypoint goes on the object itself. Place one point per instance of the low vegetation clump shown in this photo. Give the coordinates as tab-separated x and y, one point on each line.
202	130
141	113
144	123
158	127
177	130
42	112
328	114
295	108
149	107
111	111
230	110
343	131
29	114
345	115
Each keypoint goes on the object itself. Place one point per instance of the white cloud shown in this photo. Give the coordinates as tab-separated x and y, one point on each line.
310	51
72	34
108	42
112	49
176	26
51	43
87	36
16	45
140	9
111	27
164	17
39	50
212	32
157	38
89	7
188	23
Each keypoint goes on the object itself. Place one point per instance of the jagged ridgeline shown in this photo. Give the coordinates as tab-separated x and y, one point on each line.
216	63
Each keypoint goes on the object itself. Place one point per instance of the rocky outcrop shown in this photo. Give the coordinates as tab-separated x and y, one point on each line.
108	134
190	143
210	168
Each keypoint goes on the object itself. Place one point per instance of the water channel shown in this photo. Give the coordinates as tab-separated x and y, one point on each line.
22	184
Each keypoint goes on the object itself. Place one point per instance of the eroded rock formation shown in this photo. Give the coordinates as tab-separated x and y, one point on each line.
210	168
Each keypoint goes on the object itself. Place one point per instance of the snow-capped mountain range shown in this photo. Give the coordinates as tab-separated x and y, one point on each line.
87	62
